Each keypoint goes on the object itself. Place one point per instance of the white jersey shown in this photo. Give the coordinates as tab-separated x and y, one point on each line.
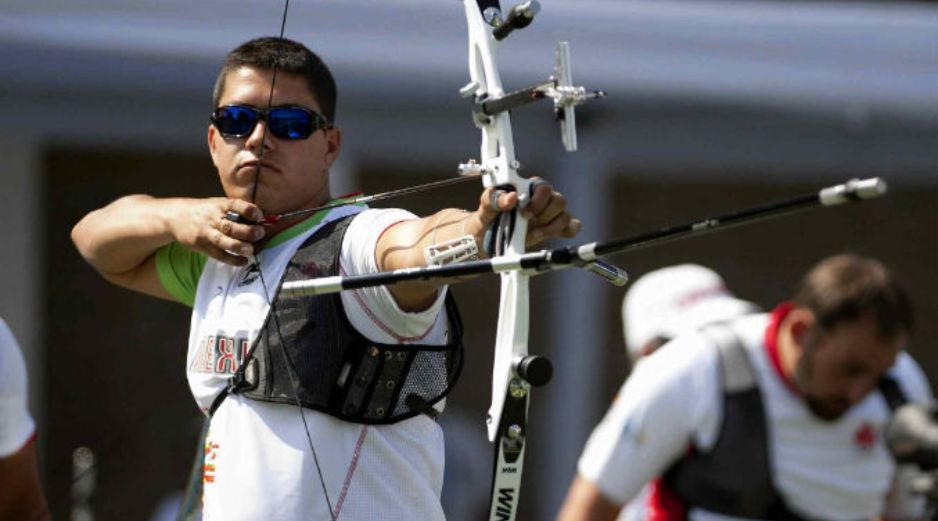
16	425
258	464
824	470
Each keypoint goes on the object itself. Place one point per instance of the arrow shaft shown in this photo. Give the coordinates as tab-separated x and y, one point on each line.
575	256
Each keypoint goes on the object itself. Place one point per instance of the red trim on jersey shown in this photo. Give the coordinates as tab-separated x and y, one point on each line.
31	439
351	472
771	343
662	504
356	294
388	227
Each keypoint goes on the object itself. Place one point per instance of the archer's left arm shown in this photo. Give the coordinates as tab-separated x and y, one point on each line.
402	246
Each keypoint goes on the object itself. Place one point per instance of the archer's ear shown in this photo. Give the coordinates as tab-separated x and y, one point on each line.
333	145
212	134
801	325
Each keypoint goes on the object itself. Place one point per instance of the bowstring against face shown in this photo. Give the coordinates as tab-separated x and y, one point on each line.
256	260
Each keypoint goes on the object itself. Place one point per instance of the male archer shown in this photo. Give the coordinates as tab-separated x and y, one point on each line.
370	368
767	416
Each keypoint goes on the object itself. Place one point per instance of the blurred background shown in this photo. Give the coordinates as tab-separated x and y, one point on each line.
713	106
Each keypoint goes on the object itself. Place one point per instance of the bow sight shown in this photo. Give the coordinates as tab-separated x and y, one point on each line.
558	87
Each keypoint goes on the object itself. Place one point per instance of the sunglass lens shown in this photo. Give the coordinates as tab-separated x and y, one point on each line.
291	123
234	121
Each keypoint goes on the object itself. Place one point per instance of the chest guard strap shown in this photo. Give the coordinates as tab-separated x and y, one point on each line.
733	478
336	369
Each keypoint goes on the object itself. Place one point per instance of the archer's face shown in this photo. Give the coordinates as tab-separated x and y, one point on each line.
838	368
294	174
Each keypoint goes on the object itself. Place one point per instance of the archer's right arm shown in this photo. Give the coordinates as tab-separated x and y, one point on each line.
120	239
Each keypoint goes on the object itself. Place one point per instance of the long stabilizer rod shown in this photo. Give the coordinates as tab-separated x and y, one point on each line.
578	256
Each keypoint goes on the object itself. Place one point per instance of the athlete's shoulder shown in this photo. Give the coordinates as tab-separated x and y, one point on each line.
16	424
911	378
685	367
751	329
696	352
684	354
361	237
371	216
6	336
12	366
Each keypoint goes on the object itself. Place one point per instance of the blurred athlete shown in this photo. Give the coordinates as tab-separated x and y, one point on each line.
768	416
21	496
667	302
663	304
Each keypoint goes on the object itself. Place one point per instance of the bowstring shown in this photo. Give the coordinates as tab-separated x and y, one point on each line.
260	271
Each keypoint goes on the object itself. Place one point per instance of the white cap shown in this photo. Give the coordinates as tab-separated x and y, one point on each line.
675	300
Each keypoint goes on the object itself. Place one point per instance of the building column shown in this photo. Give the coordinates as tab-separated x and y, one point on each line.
568	407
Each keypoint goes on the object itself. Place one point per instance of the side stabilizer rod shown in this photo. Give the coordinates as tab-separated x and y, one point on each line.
541	261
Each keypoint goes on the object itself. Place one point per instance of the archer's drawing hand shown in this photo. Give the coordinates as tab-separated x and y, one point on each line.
201	225
546	212
120	240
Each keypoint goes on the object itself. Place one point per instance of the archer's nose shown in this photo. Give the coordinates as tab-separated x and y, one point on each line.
257	137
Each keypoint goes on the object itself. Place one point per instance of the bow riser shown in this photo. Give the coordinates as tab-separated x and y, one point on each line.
500	168
507	415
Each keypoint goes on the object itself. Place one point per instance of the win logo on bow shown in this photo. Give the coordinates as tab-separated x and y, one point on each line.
506	504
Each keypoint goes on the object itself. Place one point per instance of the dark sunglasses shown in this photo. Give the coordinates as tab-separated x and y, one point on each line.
286	122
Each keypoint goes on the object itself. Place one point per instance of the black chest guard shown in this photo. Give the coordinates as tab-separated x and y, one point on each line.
734	478
335	368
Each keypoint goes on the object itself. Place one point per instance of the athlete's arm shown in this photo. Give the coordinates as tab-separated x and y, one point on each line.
120	239
21	495
585	502
660	410
402	246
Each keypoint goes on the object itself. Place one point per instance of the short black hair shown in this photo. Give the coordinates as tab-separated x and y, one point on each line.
848	287
284	55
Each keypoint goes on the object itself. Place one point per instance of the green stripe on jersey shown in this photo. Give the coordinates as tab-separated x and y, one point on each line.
179	269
